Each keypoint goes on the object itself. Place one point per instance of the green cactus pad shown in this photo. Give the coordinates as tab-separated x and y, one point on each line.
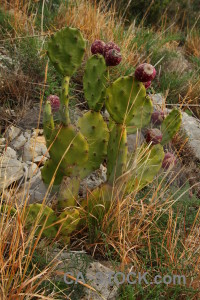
48	172
95	130
68	192
46	212
171	125
94	82
68	139
117	152
142	112
148	166
69	218
121	98
66	49
48	122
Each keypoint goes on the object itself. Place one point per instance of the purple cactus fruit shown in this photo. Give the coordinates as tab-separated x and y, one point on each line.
98	47
147	84
154	136
145	72
55	102
113	57
157	117
110	46
168	161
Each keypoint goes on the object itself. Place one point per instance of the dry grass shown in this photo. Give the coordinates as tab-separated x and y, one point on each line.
192	45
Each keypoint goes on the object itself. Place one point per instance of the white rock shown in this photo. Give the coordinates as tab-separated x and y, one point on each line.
12	132
40	159
10	153
19	142
191	127
158	100
11	170
27	135
79	261
32	169
35	147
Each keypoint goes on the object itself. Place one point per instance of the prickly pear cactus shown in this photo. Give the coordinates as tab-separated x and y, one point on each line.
170	126
94	82
76	152
44	214
94	128
66	49
125	101
69	219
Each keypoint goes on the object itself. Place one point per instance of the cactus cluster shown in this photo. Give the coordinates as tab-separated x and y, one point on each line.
75	152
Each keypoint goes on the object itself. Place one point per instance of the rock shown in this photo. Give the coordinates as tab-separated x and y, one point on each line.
134	141
106	288
78	262
27	134
35	189
40	160
191	126
18	142
12	132
35	147
11	170
158	100
32	169
10	153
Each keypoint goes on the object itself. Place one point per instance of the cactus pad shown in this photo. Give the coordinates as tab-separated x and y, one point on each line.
69	221
68	140
121	98
142	112
117	152
171	125
68	192
47	214
95	130
94	82
66	49
48	171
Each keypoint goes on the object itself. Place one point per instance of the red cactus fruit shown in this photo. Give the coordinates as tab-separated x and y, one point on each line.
113	57
147	84
145	72
55	102
109	46
168	161
154	136
157	117
98	47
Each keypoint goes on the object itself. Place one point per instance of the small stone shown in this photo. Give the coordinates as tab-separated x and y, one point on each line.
35	147
11	171
12	132
10	153
40	160
19	142
32	169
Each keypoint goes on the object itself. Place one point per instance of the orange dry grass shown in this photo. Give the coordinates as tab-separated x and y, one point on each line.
192	45
96	21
